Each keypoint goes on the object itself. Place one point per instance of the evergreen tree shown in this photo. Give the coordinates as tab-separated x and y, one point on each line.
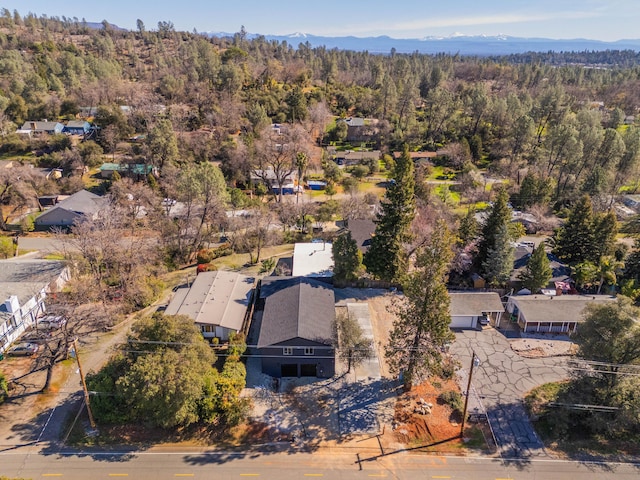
499	260
422	325
574	241
468	230
497	221
605	229
538	272
386	258
347	258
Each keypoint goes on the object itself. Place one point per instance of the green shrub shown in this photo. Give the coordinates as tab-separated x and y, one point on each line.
4	388
453	399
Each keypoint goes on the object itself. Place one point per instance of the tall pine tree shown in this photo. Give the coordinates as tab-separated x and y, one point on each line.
386	258
495	241
422	327
538	272
574	241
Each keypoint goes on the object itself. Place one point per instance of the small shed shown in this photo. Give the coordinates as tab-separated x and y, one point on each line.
316	185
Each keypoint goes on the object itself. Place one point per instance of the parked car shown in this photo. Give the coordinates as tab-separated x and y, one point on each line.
24	349
484	320
50	322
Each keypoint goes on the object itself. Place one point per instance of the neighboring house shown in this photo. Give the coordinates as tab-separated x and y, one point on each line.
560	272
125	169
216	301
313	259
420	156
551	314
77	127
296	317
362	230
74	208
41	128
270	179
361	129
24	285
468	309
349	157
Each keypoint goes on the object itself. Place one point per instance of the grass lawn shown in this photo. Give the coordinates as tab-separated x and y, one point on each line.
239	261
442	173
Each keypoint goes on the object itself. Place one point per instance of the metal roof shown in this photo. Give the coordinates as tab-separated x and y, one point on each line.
217	298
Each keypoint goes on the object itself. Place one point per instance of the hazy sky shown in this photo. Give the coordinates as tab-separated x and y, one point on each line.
593	19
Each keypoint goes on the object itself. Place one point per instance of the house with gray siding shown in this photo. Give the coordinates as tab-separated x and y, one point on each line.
64	214
296	317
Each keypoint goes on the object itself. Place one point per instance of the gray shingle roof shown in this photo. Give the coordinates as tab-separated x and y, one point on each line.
26	277
296	307
563	308
474	303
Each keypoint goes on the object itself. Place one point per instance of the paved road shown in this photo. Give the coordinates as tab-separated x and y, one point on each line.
499	385
287	464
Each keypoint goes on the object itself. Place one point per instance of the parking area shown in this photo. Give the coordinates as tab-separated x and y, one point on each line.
499	384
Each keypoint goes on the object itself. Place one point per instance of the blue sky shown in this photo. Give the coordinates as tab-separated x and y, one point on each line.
593	19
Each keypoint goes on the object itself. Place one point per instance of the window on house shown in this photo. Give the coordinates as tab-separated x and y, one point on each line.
308	351
287	351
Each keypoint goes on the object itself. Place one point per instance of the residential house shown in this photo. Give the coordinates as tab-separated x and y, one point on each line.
216	301
44	127
24	285
296	317
551	314
350	157
125	169
362	230
361	129
420	156
313	259
77	127
469	309
64	214
270	179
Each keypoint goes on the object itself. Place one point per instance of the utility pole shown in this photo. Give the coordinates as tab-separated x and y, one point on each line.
475	361
84	384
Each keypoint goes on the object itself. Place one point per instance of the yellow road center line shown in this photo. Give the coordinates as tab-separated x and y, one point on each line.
118	474
184	474
443	476
249	474
314	474
51	474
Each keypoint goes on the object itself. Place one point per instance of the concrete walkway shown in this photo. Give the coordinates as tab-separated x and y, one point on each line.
499	385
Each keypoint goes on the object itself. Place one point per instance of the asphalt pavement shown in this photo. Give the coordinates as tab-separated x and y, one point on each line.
499	384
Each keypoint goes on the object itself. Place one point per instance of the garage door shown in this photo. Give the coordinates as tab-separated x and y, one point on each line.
462	322
289	370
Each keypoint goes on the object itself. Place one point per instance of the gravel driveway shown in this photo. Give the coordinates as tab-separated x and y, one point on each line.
499	385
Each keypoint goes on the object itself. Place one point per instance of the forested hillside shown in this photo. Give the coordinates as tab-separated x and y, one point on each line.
566	122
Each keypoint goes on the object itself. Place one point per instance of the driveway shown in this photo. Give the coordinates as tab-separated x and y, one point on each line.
499	385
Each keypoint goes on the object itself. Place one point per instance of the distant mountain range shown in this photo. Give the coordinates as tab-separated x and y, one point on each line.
464	45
